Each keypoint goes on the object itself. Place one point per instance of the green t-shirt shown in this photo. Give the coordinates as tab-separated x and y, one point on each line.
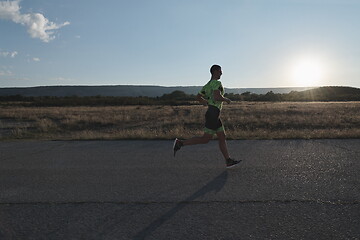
207	92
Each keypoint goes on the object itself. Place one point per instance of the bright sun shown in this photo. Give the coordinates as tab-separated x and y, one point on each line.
307	72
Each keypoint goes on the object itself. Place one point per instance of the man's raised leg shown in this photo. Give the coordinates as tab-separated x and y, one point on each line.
192	141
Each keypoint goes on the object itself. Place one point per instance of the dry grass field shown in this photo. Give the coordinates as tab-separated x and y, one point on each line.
243	120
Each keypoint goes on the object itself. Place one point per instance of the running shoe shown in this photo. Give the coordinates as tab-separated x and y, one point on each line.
230	163
177	145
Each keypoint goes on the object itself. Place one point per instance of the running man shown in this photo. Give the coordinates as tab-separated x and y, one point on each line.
212	95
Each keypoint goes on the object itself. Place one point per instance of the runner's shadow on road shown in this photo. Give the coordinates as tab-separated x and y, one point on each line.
214	185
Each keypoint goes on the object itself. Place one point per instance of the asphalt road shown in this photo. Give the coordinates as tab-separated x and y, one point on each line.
283	189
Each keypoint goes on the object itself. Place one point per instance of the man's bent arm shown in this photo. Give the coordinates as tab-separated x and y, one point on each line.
220	98
202	100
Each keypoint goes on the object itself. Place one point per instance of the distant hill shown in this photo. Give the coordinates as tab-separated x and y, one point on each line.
91	96
332	93
125	90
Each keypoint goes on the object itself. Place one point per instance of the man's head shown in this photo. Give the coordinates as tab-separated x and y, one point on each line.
215	71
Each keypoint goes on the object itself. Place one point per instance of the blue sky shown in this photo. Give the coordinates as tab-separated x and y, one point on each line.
258	43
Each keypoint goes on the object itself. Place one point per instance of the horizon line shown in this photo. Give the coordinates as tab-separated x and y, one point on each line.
162	86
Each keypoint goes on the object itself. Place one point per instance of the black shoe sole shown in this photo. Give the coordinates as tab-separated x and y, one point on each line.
234	165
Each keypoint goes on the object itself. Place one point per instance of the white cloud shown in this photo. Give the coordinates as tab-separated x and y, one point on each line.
37	25
4	71
8	54
62	79
13	54
36	59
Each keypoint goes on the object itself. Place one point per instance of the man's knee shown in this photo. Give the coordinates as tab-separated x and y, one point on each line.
221	136
206	138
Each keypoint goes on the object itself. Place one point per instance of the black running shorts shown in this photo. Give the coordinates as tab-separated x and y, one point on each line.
213	122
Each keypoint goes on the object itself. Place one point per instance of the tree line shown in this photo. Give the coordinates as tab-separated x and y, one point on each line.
322	94
181	98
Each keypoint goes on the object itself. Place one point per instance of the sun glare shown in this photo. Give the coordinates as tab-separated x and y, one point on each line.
307	72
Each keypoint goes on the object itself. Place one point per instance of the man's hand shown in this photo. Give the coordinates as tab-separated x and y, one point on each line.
227	100
202	100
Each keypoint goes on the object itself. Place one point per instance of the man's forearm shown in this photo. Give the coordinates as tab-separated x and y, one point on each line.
221	98
201	99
